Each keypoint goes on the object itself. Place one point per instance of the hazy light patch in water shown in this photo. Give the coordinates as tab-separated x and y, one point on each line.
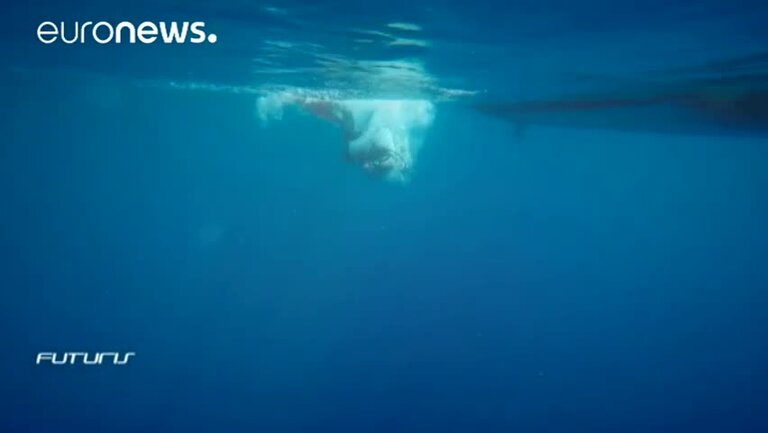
408	27
405	42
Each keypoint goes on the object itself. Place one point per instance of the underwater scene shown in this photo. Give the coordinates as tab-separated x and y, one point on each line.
398	216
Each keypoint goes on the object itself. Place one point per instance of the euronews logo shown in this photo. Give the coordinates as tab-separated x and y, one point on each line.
125	32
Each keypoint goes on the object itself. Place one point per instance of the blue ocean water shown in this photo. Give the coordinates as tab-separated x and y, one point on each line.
549	279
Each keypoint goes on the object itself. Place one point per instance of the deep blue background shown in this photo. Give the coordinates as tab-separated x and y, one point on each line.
564	280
